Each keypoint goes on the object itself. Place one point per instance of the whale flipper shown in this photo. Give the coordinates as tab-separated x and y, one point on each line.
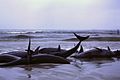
81	49
108	48
95	54
37	50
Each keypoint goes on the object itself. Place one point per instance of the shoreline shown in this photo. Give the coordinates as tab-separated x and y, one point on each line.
96	39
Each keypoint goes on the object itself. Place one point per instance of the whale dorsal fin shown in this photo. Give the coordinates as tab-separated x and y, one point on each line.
29	51
59	48
29	46
117	51
81	49
98	49
29	54
37	50
108	48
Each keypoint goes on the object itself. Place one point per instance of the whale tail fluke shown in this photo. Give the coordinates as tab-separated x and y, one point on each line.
81	38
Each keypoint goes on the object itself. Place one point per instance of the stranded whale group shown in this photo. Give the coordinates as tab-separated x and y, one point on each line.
44	55
54	55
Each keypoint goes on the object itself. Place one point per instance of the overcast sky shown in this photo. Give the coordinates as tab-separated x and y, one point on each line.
60	14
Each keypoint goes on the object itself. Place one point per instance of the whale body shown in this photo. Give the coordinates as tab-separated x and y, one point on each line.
65	53
7	58
21	54
37	59
95	53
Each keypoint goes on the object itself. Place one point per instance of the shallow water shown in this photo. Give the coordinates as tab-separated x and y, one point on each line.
77	70
74	71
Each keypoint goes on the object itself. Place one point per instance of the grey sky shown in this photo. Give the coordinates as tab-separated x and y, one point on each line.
60	14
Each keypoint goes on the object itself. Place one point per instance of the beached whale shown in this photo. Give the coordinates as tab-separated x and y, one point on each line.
64	53
37	59
95	53
52	51
23	54
15	55
7	58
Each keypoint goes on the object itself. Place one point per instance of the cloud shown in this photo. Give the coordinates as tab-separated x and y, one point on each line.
64	14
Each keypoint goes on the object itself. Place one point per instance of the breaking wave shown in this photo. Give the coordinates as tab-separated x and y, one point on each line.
20	36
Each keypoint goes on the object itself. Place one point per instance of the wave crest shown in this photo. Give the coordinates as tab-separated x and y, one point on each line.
21	36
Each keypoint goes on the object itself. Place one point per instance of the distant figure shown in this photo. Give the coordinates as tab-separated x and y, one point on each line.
118	32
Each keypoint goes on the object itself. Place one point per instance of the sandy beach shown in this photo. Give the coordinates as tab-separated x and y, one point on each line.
106	70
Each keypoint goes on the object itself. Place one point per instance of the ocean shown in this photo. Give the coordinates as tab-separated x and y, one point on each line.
17	39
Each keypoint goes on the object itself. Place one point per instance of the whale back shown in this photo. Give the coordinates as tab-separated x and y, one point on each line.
7	58
67	53
50	50
81	49
94	53
21	54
